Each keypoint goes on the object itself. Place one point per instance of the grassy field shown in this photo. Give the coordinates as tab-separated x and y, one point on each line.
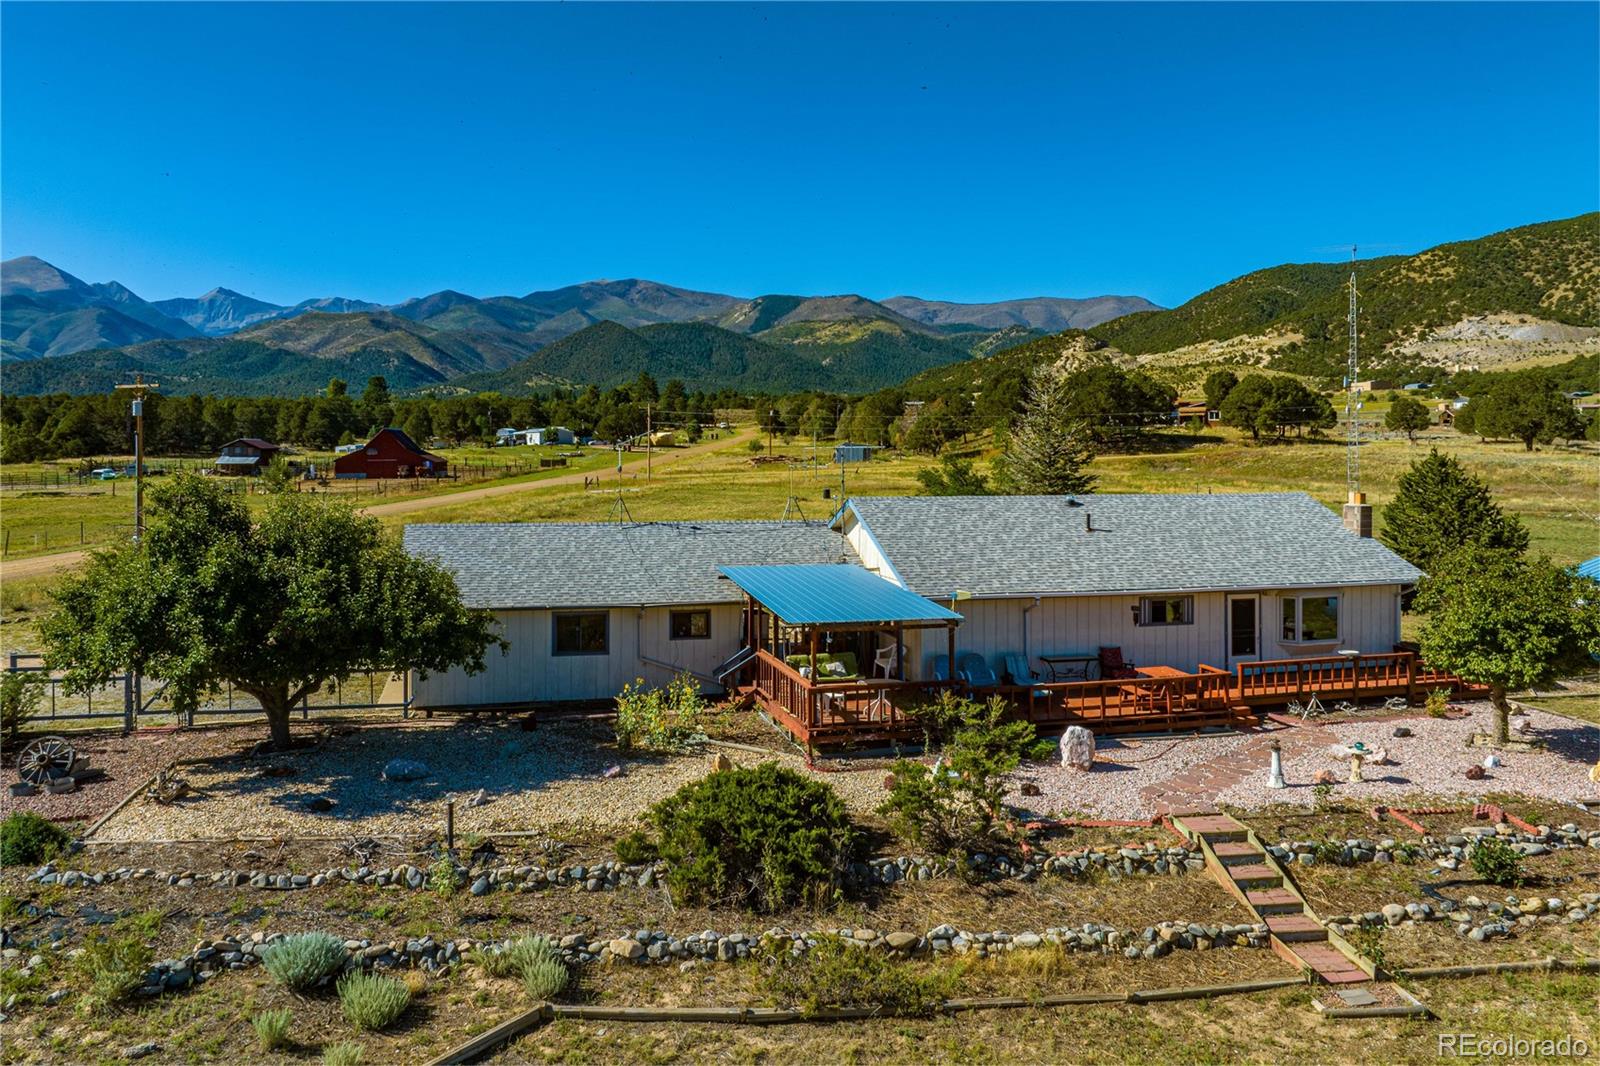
1556	491
54	511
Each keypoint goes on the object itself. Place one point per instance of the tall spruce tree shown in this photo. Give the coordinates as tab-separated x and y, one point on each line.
1440	507
1048	449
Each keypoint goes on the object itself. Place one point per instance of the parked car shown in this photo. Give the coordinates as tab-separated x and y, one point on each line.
105	473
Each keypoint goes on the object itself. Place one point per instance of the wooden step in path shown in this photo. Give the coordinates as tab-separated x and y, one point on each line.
1246	869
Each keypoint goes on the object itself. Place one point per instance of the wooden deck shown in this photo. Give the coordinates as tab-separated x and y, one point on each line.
873	710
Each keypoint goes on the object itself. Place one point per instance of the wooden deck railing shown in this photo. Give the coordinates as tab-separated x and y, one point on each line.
870	703
1209	696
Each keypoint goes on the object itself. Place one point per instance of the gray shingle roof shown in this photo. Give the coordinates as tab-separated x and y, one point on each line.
548	564
1031	545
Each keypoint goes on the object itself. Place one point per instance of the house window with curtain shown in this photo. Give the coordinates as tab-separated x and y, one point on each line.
1166	611
1310	619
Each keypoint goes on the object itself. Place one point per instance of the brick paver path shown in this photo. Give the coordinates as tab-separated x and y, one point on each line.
1197	788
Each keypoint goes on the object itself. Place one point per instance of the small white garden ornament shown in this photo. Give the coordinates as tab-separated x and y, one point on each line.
1275	775
1077	748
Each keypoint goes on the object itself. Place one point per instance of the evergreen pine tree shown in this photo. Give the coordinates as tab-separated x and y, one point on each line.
1047	450
1440	507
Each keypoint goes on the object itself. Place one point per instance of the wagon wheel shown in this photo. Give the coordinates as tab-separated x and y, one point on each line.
45	759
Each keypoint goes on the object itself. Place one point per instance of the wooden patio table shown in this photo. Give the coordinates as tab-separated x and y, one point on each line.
1161	671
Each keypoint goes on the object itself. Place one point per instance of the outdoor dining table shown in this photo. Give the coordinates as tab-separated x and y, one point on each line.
1067	667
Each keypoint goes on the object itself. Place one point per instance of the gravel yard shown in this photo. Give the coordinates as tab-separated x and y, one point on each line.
1193	772
554	776
128	762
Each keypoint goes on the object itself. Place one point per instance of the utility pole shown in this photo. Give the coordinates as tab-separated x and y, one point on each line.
138	389
772	422
649	441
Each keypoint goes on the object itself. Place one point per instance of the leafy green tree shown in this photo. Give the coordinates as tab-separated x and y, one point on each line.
1218	384
337	387
930	432
277	604
1528	406
1115	404
278	476
1439	507
1048	449
1499	619
953	477
1407	416
1465	420
1262	403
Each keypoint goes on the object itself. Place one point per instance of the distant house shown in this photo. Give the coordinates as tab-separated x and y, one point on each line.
506	435
1417	386
853	453
390	454
549	435
1191	409
247	455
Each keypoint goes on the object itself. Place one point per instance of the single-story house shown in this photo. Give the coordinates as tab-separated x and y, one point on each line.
549	435
1197	585
390	454
1177	580
247	455
853	453
589	607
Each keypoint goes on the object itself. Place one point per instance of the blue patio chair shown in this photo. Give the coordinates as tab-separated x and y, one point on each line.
1018	673
939	667
975	670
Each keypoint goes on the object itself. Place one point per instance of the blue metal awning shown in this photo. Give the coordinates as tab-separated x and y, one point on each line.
819	594
238	460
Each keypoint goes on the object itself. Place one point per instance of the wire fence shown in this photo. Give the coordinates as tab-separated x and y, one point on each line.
125	699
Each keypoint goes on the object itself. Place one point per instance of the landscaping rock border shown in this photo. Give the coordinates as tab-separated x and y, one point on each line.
1474	918
1449	853
644	946
1148	860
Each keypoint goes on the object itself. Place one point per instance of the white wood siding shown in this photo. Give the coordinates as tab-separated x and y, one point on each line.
529	672
1368	620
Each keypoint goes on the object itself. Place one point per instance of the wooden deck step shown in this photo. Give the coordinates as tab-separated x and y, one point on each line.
1295	928
1330	964
1274	901
1237	852
1214	827
1255	875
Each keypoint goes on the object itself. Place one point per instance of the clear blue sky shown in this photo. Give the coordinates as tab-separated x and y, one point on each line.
955	152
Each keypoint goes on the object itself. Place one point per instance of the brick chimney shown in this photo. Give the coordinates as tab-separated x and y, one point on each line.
1358	515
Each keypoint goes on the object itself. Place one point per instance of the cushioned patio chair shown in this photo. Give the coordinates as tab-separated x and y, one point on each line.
975	670
1112	665
1017	672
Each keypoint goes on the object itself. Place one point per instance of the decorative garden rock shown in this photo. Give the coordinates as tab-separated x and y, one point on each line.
1077	748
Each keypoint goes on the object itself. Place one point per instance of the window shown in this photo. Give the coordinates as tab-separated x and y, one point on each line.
690	625
581	634
1166	611
1308	619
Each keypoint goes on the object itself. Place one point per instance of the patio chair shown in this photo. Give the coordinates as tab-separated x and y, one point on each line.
1112	665
884	662
1017	669
1018	672
939	667
975	670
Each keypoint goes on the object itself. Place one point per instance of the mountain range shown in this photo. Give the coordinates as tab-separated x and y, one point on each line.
84	336
59	333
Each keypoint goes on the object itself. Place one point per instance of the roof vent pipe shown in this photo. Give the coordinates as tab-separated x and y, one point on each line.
1088	522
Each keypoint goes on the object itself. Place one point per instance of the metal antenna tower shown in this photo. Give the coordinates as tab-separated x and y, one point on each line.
619	509
792	505
1352	397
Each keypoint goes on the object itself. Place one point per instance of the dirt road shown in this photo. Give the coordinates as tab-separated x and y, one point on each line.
38	565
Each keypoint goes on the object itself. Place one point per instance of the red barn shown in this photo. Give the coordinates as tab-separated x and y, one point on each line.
390	454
